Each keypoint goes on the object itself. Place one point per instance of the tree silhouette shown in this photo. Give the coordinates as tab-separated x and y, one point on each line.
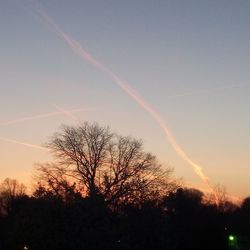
10	189
102	163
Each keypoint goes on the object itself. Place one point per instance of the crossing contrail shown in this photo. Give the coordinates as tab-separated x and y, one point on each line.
82	53
65	112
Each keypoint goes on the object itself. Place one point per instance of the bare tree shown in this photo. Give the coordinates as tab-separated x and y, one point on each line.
131	173
10	189
104	163
220	199
56	180
81	151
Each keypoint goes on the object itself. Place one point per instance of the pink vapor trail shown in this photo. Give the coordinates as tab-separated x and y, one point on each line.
24	143
211	90
78	50
39	116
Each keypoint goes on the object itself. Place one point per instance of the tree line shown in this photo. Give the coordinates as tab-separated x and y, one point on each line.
103	191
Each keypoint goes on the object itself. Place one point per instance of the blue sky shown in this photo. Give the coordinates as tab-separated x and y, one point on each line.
188	59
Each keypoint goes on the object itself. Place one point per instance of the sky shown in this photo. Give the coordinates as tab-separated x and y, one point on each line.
187	60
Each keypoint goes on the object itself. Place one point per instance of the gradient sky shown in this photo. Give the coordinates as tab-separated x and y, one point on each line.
188	59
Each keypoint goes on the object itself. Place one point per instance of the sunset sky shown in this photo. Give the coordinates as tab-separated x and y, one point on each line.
186	61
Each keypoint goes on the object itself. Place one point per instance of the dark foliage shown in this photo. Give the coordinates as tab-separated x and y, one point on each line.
179	221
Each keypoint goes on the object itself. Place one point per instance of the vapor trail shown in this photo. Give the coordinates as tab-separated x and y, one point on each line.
65	112
81	52
34	117
24	143
211	90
